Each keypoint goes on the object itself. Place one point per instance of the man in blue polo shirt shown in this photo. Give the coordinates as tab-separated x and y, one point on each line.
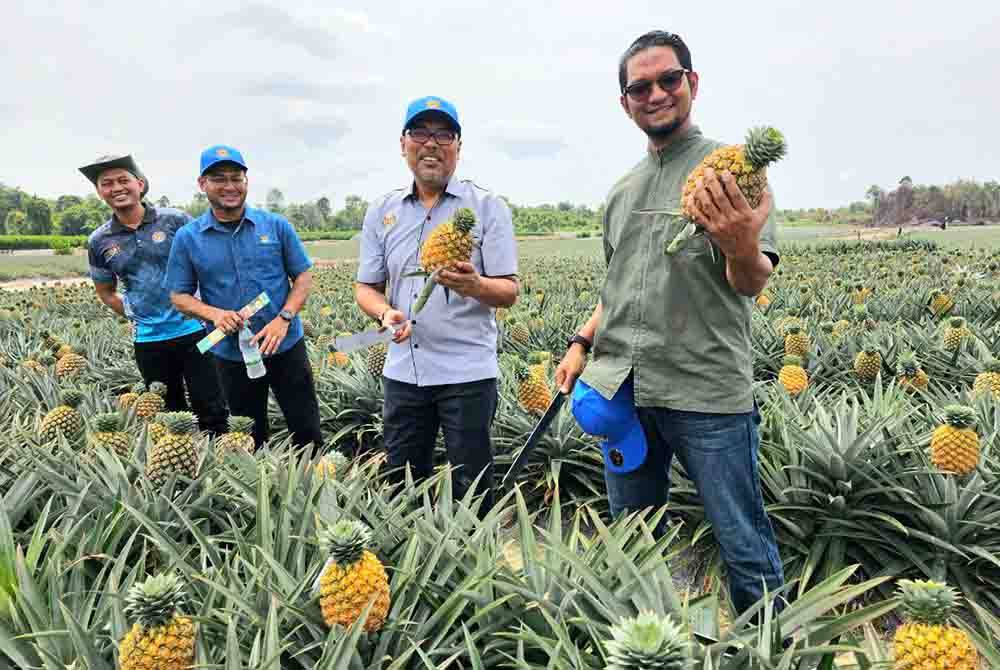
130	251
231	254
441	368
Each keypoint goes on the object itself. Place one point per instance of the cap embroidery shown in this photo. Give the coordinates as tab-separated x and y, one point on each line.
433	104
221	153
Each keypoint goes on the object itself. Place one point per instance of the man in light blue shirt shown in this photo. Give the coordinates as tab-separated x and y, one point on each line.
231	254
130	252
441	368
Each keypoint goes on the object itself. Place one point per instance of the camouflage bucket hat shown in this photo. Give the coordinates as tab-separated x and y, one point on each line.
126	162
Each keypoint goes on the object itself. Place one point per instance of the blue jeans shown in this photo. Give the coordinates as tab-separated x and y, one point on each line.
719	454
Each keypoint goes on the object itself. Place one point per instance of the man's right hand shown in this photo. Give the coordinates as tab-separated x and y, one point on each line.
570	368
395	318
228	322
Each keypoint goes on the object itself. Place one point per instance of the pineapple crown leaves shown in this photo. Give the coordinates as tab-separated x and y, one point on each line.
926	601
464	219
345	541
139	387
179	423
156	600
108	422
648	641
159	388
71	398
240	424
959	416
764	145
956	322
908	363
793	361
538	357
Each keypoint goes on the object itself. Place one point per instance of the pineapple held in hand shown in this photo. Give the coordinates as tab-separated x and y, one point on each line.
351	577
954	444
448	244
161	638
746	162
926	641
647	642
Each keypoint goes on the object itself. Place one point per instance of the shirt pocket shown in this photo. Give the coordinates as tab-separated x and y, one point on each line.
269	259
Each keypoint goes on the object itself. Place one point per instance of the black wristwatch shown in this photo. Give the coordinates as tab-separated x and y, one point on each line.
582	341
286	315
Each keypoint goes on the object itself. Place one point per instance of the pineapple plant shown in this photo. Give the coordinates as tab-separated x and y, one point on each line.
351	577
988	381
868	361
648	641
239	437
331	465
108	433
70	364
449	243
532	392
954	443
792	375
161	638
939	302
375	359
956	331
747	163
127	399
175	451
518	331
910	375
63	419
152	402
797	341
927	641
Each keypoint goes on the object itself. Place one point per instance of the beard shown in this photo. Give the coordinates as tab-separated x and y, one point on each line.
665	130
229	213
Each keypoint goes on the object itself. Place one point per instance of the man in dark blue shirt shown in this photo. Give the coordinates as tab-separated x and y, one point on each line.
231	254
130	252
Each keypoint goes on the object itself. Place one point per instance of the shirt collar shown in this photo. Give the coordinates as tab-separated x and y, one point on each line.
147	217
452	188
683	140
212	222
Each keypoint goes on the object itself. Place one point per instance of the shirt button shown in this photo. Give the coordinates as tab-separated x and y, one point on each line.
414	295
416	346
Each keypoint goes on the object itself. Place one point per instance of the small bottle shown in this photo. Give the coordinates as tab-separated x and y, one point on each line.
251	354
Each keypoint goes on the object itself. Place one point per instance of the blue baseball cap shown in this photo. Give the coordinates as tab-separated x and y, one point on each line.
623	442
430	104
221	153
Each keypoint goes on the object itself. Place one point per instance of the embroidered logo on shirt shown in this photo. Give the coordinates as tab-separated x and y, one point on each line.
159	236
264	239
111	252
388	220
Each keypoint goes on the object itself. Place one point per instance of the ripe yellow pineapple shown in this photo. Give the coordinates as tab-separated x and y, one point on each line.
70	364
926	641
939	302
239	437
152	402
63	419
161	637
448	244
747	163
518	330
648	641
33	365
108	434
352	576
156	428
174	452
797	342
868	361
539	362
988	381
792	375
910	375
332	465
532	392
338	358
375	359
859	294
762	300
954	444
127	399
956	331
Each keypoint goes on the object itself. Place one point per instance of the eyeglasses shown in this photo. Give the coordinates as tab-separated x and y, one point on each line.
669	81
422	135
222	180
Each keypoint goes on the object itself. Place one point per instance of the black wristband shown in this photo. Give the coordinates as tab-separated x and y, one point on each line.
582	341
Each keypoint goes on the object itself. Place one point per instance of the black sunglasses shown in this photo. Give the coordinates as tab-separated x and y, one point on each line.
423	135
669	81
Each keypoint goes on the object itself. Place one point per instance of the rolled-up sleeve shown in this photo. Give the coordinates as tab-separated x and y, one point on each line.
180	276
499	248
371	266
297	259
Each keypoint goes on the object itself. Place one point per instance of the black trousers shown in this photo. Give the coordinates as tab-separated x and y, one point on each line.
412	415
177	363
290	377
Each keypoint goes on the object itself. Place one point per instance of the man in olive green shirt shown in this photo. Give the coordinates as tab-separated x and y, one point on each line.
677	328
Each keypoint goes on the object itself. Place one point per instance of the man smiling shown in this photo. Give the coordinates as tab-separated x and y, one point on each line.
677	328
440	372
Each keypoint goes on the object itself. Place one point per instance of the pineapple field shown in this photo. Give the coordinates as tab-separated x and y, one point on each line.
130	540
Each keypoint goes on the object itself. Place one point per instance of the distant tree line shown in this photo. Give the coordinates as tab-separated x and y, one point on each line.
965	200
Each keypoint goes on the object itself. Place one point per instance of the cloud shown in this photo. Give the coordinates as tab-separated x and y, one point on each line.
291	86
317	131
524	140
278	25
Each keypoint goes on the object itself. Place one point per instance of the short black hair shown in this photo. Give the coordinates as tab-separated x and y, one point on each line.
654	38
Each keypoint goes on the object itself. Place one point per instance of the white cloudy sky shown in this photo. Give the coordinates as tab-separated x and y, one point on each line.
314	93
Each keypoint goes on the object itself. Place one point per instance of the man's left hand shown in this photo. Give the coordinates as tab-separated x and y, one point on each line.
719	206
271	336
463	279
